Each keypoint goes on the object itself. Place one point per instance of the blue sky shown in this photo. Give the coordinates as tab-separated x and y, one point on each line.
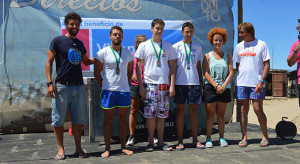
275	22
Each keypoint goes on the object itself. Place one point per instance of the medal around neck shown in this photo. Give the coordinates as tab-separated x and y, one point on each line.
117	70
117	60
188	66
188	56
158	64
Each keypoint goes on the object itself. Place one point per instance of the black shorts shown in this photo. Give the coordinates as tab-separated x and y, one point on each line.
134	90
211	96
187	93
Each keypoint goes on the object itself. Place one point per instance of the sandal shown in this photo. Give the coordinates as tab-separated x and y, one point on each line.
199	146
180	147
264	143
149	147
81	154
60	156
243	143
166	147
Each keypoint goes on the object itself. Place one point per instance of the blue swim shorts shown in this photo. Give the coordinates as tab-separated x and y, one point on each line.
248	93
112	99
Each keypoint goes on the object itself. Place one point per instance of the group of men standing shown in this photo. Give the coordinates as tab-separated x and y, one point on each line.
162	71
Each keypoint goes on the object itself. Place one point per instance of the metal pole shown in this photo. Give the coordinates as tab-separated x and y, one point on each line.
240	20
240	15
3	33
91	110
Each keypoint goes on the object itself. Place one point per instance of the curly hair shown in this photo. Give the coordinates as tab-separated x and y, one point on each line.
72	15
217	30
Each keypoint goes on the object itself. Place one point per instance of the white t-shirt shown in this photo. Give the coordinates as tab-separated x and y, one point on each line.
251	56
183	75
152	73
111	81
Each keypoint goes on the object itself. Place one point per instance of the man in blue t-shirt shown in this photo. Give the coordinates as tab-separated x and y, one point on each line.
68	91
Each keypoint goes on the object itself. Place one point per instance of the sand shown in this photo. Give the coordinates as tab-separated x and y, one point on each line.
275	108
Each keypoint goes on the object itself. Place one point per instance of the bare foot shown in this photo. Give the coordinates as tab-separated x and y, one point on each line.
60	154
127	152
105	154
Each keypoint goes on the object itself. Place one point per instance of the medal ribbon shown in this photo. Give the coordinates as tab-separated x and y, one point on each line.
157	56
118	60
188	56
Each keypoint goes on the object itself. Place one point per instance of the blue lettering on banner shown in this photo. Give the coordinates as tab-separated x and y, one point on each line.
98	38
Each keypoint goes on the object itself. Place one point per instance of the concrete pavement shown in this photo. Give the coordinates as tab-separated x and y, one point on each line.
41	148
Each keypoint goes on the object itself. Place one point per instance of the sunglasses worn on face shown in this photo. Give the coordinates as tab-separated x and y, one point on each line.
297	28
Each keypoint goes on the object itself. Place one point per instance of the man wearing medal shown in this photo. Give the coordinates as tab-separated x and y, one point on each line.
158	57
188	83
116	64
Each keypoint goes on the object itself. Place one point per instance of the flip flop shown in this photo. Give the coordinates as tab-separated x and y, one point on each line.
264	143
166	147
149	147
199	146
60	156
243	143
180	147
81	154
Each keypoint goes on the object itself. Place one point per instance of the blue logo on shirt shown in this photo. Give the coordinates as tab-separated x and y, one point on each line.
74	56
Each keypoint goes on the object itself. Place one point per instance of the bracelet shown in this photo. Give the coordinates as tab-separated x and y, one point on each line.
263	81
295	51
224	86
216	86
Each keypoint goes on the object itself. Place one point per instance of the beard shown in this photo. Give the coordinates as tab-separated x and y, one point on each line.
71	32
117	42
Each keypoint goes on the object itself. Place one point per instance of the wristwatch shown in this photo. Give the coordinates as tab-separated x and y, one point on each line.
49	83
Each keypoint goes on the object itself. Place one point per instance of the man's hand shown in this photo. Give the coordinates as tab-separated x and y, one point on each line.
51	91
259	87
142	92
172	91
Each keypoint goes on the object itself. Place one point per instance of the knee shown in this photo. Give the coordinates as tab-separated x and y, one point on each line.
210	113
193	112
221	115
180	112
122	118
108	118
244	111
134	112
